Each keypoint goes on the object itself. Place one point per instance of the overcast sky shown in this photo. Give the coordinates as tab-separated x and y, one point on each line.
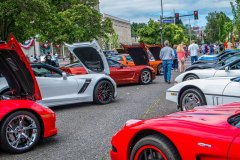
143	10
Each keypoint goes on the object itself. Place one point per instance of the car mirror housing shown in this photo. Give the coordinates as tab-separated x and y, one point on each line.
64	75
227	69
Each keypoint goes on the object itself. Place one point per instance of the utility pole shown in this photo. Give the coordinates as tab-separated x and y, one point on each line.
161	21
190	33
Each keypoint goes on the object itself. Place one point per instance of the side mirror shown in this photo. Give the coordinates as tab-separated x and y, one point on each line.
227	69
64	75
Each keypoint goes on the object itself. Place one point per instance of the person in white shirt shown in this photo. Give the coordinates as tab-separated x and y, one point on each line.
193	49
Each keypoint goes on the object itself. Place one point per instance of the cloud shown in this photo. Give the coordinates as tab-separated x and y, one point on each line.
143	10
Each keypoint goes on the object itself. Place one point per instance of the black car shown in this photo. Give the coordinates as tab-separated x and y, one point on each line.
225	58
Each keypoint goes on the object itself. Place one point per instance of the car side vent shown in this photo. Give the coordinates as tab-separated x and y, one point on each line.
85	85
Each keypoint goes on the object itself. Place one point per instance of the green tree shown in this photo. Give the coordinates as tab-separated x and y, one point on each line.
150	34
236	14
215	28
135	27
76	24
23	18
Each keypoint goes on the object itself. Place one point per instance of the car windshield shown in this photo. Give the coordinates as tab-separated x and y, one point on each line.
117	58
229	60
113	63
44	72
129	58
235	121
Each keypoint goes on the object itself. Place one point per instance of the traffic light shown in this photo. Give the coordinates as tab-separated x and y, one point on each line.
177	18
196	15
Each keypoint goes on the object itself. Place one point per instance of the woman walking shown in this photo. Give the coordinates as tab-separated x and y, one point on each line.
181	58
175	61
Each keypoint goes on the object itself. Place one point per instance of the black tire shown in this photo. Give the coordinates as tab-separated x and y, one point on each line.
190	77
103	98
161	143
199	97
6	138
160	69
145	73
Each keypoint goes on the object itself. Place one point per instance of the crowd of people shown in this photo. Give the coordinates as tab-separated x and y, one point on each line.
174	58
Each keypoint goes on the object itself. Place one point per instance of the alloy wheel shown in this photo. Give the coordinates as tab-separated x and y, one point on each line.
146	77
105	92
149	153
21	132
160	69
190	101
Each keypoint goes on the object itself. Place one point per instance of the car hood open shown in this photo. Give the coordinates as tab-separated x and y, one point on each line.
91	56
138	53
155	50
16	69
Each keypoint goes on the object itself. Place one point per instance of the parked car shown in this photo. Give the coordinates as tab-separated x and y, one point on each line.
212	91
58	88
218	63
24	122
120	73
215	57
231	69
143	52
202	133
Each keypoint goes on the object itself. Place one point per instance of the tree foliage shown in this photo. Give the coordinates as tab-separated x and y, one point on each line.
135	27
218	27
53	20
150	33
23	18
236	14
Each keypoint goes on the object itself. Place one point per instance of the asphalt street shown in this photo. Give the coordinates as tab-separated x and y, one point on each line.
85	130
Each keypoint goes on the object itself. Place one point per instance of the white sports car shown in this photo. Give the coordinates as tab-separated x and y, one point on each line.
231	69
211	91
59	88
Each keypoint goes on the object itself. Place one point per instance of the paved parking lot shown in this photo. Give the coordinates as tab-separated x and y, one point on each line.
85	130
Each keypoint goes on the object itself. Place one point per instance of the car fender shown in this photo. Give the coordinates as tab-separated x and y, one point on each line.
210	87
203	73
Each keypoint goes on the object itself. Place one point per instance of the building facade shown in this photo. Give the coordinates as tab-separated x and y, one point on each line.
122	28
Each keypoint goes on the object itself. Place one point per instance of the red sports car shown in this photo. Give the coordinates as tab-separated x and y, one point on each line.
23	122
205	133
120	73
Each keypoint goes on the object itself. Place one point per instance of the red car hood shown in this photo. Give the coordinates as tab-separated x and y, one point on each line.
15	67
216	116
208	116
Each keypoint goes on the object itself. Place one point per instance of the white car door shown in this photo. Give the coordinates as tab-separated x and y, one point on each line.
54	88
232	92
229	71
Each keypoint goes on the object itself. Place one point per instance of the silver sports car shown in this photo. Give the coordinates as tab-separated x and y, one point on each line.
58	88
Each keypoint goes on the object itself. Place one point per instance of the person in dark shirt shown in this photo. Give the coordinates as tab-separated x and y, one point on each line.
48	59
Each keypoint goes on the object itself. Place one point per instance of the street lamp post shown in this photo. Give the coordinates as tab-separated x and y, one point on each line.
161	27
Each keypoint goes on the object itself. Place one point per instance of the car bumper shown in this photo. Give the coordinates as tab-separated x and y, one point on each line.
49	121
172	96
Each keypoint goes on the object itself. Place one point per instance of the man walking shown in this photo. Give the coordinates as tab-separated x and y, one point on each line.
167	56
193	49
